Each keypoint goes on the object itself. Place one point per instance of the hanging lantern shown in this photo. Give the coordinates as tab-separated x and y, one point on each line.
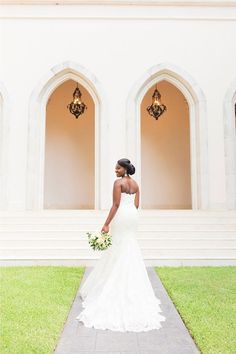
157	108
77	107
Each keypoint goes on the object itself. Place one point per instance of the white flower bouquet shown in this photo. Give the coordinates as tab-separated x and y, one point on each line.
99	241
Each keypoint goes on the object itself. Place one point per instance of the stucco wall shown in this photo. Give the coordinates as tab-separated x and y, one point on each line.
117	45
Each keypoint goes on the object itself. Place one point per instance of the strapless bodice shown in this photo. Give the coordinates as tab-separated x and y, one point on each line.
127	199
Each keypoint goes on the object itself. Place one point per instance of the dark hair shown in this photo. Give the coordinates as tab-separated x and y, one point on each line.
126	164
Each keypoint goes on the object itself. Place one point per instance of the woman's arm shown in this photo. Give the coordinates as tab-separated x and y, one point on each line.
136	199
115	205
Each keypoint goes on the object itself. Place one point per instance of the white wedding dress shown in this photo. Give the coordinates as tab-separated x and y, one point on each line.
117	294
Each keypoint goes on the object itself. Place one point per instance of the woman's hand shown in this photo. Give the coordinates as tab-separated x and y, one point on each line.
105	228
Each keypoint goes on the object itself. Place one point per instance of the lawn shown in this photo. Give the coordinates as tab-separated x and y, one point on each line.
35	302
205	297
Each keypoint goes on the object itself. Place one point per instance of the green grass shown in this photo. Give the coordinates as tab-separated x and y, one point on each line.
35	302
205	297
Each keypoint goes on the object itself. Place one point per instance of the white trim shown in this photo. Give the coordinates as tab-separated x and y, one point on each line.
36	129
117	12
230	146
4	145
212	3
150	262
135	18
198	127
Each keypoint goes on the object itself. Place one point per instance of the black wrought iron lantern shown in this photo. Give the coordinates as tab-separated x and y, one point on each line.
77	107
157	108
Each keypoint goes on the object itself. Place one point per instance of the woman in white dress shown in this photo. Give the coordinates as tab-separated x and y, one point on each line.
117	294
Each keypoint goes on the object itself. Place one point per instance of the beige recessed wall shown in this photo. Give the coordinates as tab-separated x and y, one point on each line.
69	152
1	153
165	152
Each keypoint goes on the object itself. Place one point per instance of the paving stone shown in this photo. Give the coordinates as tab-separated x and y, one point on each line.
107	352
163	351
86	332
96	352
179	349
117	341
82	344
126	335
151	341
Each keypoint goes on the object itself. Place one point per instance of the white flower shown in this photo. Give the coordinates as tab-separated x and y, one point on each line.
99	241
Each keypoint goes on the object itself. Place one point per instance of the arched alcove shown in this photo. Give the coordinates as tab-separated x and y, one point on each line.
37	124
165	151
230	145
197	125
69	151
4	144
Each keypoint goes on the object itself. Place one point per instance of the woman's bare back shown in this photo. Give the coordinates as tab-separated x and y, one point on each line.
129	185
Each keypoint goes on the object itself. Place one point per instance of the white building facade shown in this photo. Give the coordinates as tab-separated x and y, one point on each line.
57	171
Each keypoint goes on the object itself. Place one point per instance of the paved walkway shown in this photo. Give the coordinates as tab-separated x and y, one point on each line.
172	338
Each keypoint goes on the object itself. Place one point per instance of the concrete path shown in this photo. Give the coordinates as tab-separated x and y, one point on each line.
172	338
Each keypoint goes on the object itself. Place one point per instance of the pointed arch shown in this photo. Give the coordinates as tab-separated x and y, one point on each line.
36	128
198	125
4	145
230	146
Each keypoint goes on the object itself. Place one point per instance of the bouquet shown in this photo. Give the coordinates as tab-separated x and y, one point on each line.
99	241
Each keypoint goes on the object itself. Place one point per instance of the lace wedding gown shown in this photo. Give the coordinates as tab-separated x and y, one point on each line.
117	294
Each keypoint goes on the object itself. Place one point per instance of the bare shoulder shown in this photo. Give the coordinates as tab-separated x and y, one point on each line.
117	182
135	183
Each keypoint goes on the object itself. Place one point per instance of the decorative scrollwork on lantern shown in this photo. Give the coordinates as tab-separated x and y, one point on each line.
157	108
77	107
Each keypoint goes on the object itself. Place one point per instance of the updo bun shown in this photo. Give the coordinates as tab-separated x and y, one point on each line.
130	169
126	164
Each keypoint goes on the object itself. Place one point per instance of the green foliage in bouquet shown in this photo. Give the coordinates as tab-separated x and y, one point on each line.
99	241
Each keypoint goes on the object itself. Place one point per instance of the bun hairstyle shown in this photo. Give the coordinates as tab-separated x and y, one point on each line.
127	165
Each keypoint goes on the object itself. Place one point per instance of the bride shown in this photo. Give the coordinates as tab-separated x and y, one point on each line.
117	294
